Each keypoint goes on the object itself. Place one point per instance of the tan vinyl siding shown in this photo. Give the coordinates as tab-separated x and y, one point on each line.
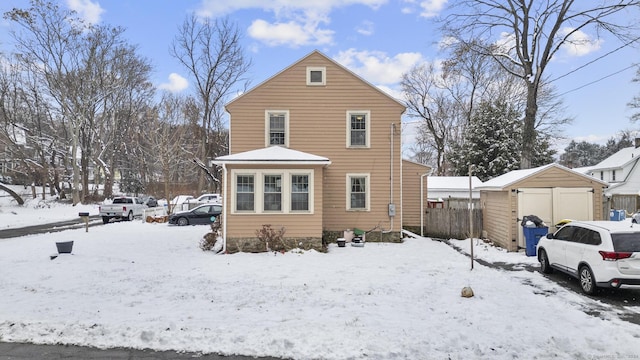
496	215
318	125
411	176
296	224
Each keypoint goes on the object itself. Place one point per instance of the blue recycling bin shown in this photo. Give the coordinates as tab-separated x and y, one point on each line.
617	215
532	235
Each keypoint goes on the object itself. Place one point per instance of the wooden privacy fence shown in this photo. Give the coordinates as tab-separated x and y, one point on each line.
451	223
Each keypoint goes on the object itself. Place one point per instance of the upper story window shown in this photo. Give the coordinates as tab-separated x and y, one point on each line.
277	128
316	75
613	175
358	125
601	175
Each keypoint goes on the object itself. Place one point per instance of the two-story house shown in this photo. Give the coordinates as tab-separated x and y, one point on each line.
622	171
315	150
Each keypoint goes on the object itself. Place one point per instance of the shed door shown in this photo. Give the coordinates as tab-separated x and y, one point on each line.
553	205
534	201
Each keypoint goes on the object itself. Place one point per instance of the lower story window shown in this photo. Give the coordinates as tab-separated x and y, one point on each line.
260	191
245	193
358	192
272	192
299	192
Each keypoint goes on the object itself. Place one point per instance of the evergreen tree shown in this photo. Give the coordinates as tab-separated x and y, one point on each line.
491	142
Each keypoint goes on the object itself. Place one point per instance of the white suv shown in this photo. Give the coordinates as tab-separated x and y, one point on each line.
598	253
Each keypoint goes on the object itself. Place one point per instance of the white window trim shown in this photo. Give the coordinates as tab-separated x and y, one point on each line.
368	191
367	114
258	183
323	69
267	126
234	199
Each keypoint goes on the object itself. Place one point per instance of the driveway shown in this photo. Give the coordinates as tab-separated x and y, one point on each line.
624	303
15	351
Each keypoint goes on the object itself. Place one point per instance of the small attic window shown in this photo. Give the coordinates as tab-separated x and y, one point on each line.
316	75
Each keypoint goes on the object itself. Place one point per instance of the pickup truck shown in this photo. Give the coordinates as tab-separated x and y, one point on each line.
124	207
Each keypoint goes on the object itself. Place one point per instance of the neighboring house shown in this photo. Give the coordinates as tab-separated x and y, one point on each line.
315	150
453	191
622	172
551	192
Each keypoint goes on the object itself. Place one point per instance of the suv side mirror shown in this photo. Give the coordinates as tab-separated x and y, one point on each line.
550	236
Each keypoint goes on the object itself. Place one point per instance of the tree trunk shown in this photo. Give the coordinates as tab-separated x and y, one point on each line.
528	128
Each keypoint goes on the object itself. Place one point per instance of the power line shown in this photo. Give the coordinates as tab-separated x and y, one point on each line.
598	80
596	59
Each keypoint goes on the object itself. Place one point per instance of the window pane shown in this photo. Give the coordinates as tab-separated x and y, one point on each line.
315	76
244	193
299	192
276	129
272	193
358	129
358	193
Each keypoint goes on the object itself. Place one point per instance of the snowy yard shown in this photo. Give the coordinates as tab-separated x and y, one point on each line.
141	285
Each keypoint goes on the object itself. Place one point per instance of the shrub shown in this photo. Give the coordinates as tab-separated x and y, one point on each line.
271	239
210	241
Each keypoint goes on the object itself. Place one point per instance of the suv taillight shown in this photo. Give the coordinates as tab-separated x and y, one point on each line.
613	256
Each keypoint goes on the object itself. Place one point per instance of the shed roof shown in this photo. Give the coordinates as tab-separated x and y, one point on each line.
504	181
273	155
454	183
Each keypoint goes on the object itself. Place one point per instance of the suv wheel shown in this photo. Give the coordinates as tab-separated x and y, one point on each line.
587	281
544	262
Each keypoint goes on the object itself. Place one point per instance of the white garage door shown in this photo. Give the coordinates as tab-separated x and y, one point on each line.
553	205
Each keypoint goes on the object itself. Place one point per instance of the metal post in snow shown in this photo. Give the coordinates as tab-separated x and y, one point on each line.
471	214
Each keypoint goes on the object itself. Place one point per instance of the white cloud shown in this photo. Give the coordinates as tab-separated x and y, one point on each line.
289	33
427	8
579	43
296	22
377	67
431	8
366	28
176	83
87	10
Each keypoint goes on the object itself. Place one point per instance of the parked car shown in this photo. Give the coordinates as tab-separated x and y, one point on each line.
635	217
209	198
203	214
149	201
123	207
598	253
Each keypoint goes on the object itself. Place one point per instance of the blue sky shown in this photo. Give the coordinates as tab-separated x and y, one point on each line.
377	39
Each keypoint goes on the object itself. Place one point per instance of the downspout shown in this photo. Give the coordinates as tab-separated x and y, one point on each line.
422	203
391	185
224	209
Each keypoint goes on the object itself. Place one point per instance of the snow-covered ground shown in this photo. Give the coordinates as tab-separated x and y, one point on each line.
140	285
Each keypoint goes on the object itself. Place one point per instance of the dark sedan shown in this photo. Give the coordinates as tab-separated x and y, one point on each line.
203	214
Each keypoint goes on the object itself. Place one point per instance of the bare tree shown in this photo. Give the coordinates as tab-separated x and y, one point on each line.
83	69
167	138
635	102
210	50
426	101
536	31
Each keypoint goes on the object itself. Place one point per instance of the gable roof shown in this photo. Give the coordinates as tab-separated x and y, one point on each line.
314	52
619	159
515	176
273	155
